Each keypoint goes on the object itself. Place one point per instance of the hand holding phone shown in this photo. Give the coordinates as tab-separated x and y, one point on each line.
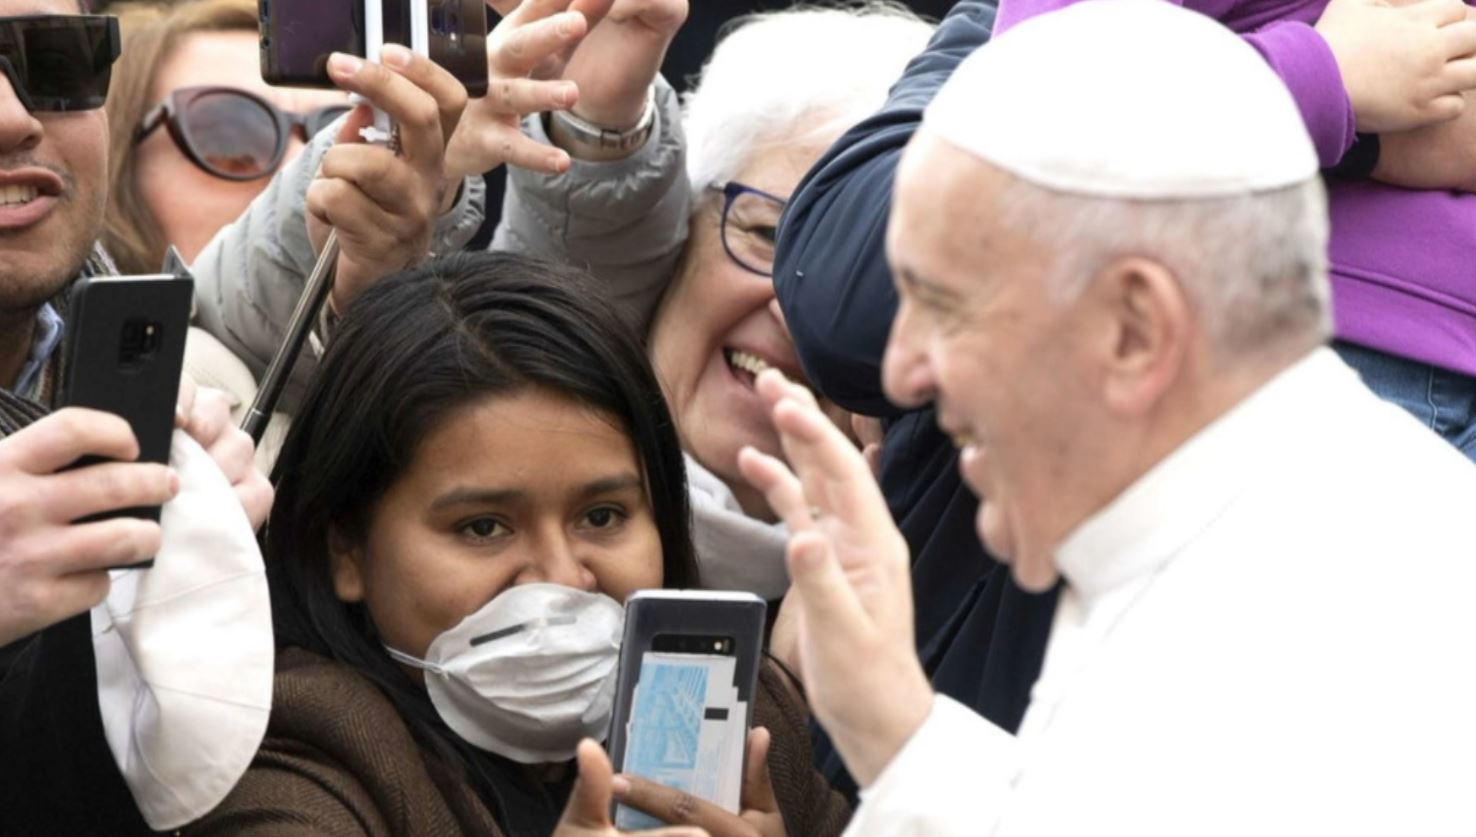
684	700
384	206
52	567
124	354
587	813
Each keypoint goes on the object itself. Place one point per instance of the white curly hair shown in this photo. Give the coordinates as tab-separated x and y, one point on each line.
782	77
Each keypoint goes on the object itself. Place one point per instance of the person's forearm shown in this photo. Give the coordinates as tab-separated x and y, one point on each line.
867	751
583	148
952	777
624	221
1305	63
614	68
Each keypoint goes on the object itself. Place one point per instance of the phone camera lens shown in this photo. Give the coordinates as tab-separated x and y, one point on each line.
138	342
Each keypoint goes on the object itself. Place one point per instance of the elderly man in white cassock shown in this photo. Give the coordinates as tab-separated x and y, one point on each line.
1108	238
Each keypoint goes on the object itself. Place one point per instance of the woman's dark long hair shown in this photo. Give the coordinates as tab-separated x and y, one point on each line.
411	350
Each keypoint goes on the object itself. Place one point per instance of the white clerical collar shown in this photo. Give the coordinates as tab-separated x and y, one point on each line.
1146	525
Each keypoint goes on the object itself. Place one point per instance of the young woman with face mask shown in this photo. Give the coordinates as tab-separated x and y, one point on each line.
481	472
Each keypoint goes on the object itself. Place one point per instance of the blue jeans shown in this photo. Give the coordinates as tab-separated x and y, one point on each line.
1442	400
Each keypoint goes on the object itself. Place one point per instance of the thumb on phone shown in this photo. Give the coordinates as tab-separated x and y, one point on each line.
758	785
589	803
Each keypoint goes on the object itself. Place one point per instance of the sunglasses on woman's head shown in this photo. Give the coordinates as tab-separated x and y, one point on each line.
59	63
232	133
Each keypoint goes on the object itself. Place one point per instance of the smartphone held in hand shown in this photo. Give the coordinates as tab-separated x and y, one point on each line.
124	354
297	36
688	670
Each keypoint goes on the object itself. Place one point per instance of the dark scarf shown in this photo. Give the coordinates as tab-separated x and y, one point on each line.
18	411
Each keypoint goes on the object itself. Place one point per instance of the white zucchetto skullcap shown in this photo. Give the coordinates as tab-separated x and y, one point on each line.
1126	99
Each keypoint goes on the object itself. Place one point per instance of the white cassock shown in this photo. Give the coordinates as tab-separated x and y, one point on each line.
1272	632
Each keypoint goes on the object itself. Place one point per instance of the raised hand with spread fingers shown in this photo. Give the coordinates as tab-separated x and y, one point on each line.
1405	65
613	66
851	589
526	52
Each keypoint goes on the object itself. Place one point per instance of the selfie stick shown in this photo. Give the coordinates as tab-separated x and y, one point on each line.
320	281
314	294
382	132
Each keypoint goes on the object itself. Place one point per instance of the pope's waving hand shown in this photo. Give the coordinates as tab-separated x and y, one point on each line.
851	583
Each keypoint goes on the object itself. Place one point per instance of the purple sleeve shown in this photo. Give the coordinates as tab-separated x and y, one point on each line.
1305	62
1012	12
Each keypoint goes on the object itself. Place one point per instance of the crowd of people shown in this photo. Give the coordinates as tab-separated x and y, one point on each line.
1089	386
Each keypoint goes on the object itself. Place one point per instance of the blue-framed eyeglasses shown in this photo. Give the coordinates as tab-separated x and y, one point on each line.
750	223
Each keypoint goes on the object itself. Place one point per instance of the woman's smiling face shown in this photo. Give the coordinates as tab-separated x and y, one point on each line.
719	323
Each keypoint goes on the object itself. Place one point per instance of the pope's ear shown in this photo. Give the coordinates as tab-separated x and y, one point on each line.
346	562
1146	329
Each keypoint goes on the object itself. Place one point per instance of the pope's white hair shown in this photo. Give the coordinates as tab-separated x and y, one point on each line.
1254	265
782	77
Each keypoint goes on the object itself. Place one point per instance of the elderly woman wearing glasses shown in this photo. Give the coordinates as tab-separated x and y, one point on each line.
689	248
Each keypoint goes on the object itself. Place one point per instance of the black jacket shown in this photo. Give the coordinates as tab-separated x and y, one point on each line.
980	636
57	775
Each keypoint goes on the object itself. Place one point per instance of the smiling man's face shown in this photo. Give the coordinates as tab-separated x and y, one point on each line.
53	186
979	333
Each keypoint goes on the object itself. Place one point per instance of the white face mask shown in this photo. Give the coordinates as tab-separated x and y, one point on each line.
528	675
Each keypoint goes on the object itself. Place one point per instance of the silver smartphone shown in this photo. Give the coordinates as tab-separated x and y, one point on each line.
689	666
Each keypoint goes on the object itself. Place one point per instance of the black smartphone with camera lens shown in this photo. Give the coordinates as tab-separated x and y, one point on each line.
297	36
124	354
689	662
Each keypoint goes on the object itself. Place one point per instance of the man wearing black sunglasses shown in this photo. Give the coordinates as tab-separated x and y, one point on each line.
53	174
57	773
53	165
53	171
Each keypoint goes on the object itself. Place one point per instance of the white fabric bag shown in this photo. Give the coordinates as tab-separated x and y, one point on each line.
185	652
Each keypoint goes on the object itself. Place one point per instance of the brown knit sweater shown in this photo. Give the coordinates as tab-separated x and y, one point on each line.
337	760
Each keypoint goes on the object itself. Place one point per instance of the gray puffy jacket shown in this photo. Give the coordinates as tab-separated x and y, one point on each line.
248	279
624	221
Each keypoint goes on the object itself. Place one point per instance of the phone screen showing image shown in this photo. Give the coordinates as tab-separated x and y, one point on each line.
687	727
